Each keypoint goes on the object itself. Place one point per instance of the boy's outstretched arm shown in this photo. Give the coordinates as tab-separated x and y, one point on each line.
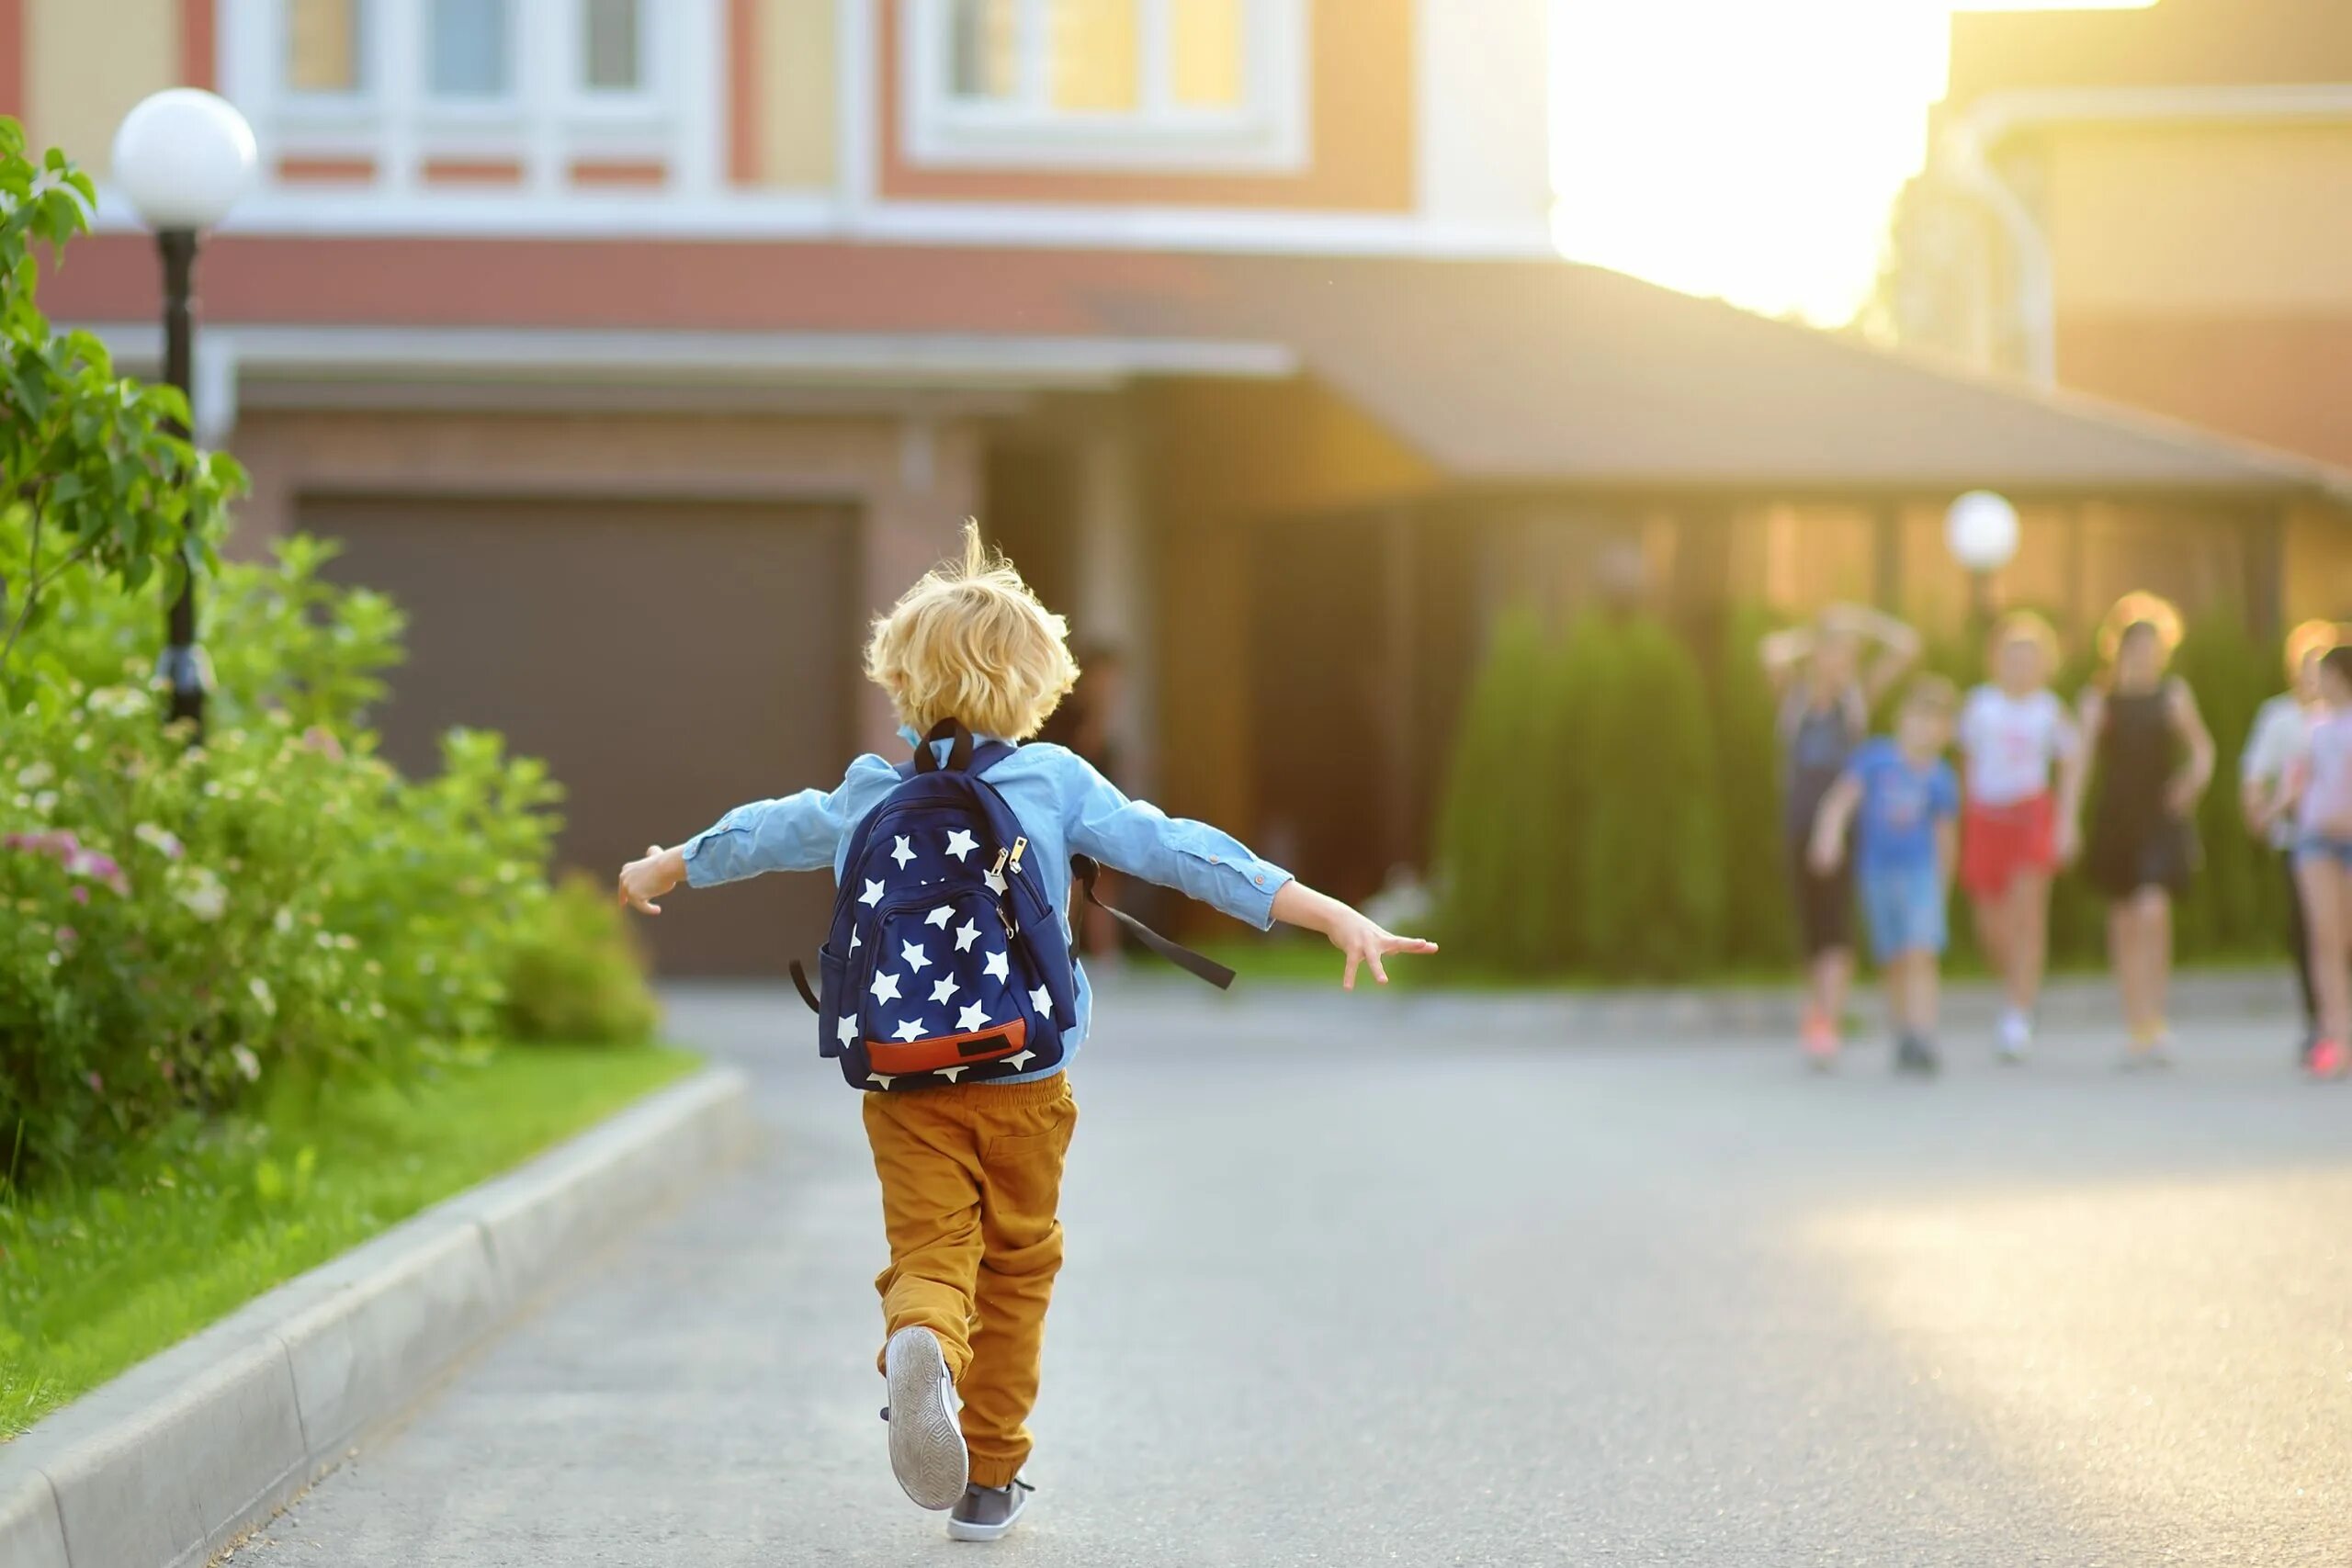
795	832
1351	931
1210	865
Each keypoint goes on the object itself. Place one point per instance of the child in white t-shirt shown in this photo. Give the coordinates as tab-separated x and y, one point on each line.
2015	833
2280	736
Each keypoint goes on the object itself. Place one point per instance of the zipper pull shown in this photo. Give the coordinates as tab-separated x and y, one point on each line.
1019	846
1001	856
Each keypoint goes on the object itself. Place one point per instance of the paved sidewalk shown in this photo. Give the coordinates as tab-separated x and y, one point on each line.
1346	1286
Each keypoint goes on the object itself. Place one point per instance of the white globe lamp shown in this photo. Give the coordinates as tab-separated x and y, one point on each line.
184	157
1981	530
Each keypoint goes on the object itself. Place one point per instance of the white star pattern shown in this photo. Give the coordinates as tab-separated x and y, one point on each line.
885	1079
940	916
972	1018
846	1030
873	894
915	957
1043	1000
902	852
945	990
1017	1061
952	1074
998	969
961	844
967	934
995	879
907	1030
885	987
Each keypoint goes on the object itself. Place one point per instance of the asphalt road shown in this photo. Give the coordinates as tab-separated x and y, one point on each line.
1352	1284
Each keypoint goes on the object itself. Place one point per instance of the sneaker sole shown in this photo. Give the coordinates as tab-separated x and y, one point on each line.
927	1451
959	1529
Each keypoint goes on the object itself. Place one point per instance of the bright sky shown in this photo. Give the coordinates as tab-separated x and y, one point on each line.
1749	148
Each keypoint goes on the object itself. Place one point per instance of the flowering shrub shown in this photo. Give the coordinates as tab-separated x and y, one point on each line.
186	922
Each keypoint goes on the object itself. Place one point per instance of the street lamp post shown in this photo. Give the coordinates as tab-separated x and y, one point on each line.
1981	530
183	157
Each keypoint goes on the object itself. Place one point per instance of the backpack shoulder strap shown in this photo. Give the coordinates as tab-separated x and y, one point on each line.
1086	869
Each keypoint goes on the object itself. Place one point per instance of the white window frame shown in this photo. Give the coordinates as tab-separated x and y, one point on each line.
1267	132
550	120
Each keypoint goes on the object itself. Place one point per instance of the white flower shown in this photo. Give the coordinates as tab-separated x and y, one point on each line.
32	775
282	921
45	802
159	839
248	1065
203	896
260	989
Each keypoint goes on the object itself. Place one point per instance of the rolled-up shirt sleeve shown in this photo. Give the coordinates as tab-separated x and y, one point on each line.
1138	838
792	832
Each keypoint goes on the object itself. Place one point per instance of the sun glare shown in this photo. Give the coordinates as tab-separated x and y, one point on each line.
1749	148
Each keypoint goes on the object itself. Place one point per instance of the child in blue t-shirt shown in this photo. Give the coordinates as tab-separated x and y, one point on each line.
1906	843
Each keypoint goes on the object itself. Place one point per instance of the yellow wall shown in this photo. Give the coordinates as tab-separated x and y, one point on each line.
87	62
2318	565
2202	218
798	74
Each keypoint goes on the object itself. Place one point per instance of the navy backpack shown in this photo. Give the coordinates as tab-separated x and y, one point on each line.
944	962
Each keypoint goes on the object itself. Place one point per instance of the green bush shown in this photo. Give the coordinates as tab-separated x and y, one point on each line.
577	975
1488	791
2235	906
1759	923
1652	860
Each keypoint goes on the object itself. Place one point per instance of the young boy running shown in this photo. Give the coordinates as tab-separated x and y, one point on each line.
2014	832
1907	800
971	1171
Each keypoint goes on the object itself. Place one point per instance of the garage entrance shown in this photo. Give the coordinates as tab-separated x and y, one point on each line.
669	660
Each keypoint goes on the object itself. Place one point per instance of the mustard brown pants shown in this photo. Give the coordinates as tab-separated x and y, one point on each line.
971	1180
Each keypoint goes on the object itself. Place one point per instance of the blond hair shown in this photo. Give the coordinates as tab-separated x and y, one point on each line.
970	642
2311	637
2153	611
2025	626
1931	693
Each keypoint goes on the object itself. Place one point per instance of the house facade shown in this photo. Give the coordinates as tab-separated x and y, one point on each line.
645	349
2153	205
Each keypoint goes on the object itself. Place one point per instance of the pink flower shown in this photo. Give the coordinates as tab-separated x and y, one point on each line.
97	867
81	895
98	1085
67	936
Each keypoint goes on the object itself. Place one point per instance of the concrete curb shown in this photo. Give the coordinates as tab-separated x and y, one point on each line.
169	1462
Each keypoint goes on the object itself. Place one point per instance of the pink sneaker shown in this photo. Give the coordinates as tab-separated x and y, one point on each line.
2327	1059
1820	1038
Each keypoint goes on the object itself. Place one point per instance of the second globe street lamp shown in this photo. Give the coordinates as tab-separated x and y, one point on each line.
182	158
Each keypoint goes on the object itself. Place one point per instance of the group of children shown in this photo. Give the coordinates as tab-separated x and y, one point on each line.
1888	820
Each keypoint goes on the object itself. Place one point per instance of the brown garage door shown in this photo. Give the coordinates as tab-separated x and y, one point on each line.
668	661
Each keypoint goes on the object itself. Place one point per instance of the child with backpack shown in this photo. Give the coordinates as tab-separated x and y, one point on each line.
948	990
1907	802
2320	785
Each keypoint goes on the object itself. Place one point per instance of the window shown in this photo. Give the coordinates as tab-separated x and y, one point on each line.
326	47
612	53
1106	81
469	49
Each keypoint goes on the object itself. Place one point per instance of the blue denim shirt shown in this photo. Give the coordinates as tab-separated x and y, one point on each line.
1066	808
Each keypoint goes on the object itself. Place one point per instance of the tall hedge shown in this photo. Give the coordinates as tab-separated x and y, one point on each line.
1489	791
1652	860
2235	905
1758	928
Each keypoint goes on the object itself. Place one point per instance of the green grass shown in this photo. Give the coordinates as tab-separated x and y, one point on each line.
94	1278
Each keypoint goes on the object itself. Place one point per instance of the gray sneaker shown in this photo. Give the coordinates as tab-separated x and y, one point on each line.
985	1513
926	1447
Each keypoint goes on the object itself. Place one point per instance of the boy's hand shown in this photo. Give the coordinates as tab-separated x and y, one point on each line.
1351	932
643	881
1365	942
2066	842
